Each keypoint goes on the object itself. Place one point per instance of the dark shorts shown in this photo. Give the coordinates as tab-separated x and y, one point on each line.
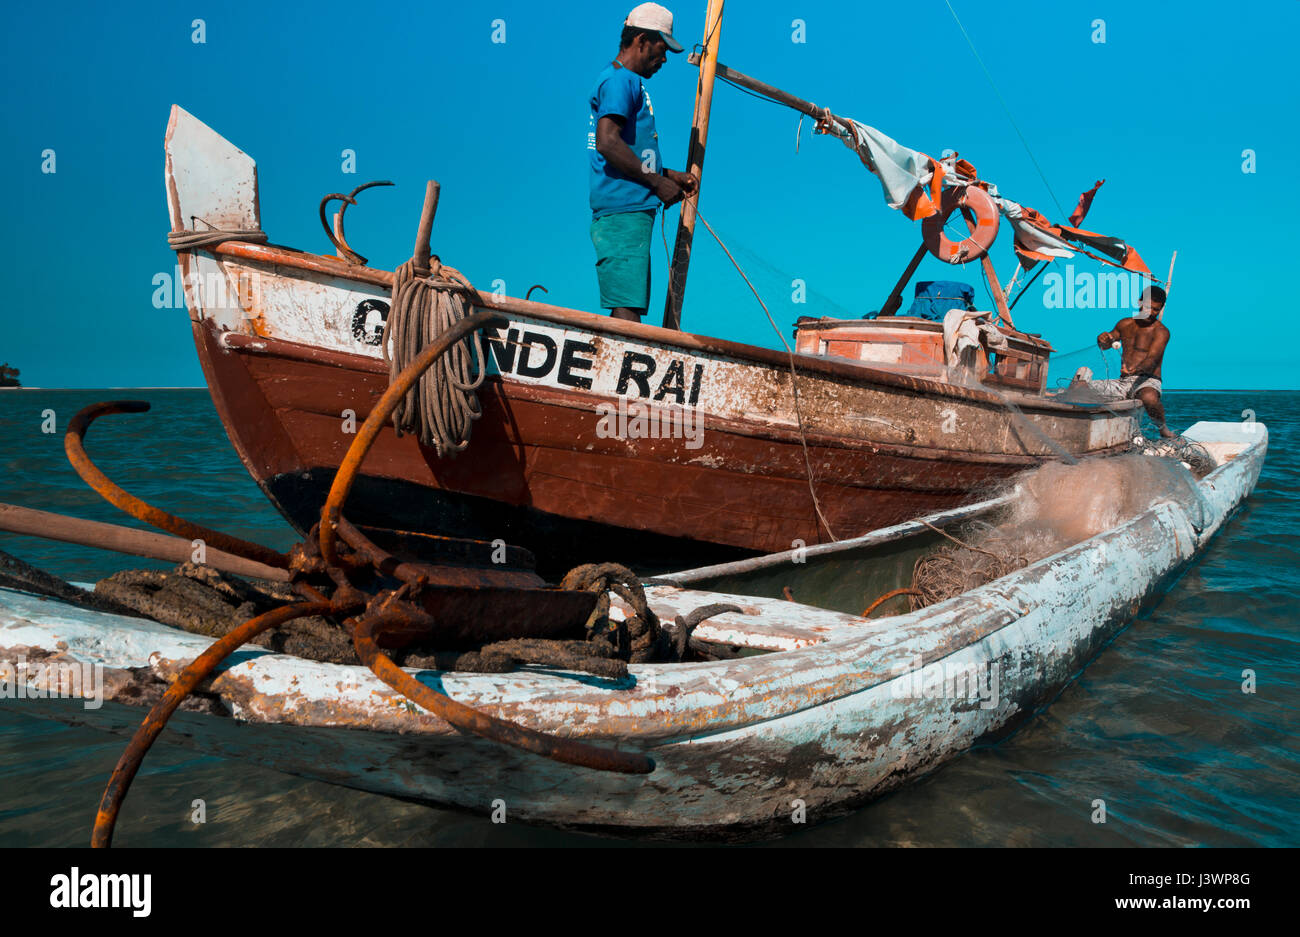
622	242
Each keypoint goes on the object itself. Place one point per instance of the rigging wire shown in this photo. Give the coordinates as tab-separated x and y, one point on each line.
1003	102
794	374
1028	283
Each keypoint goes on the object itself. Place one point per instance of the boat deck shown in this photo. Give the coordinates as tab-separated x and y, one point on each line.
761	625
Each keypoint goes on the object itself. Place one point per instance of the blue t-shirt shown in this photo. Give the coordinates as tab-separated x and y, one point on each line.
620	93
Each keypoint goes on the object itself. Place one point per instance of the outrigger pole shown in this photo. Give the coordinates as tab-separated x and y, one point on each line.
694	165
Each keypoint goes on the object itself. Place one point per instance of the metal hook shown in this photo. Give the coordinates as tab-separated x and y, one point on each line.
335	232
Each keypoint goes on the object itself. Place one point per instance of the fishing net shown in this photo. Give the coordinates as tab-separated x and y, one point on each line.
1192	455
1057	506
956	569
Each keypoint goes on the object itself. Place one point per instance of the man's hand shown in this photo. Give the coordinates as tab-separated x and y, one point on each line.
1104	340
668	190
690	185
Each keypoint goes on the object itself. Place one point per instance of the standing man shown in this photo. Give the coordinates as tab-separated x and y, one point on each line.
1144	339
628	181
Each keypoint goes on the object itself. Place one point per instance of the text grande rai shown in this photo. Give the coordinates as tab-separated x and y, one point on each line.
52	679
662	378
103	890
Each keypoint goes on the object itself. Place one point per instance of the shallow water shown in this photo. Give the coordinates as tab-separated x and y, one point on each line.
1156	726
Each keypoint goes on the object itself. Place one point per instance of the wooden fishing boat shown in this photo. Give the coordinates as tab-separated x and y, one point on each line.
289	342
811	713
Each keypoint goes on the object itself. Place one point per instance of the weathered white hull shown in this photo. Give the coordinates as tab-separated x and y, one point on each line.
741	747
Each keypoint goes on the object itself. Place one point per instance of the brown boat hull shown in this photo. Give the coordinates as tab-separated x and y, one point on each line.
537	475
796	448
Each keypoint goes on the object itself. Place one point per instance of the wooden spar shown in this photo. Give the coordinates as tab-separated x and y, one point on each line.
21	520
1169	284
694	166
420	254
996	289
991	275
1028	283
896	297
763	88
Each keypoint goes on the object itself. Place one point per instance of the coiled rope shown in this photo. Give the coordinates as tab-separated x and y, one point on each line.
441	408
196	240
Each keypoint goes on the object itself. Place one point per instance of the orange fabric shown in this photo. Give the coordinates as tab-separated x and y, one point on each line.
921	204
1085	203
1028	258
936	183
1135	263
1131	259
918	205
1039	220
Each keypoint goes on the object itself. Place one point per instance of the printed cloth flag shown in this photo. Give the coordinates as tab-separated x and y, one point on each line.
913	184
911	180
1118	252
1036	237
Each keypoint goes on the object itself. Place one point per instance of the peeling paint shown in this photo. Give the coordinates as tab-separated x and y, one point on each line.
734	741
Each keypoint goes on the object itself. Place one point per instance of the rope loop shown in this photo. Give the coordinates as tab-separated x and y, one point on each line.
634	639
441	408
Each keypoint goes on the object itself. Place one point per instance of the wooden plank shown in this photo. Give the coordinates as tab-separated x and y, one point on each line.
158	546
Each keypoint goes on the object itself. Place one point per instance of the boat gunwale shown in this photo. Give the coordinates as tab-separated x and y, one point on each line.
586	400
847	369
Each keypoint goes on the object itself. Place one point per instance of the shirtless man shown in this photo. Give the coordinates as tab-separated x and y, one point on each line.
1144	339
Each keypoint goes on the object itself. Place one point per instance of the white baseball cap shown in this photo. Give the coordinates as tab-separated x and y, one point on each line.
653	16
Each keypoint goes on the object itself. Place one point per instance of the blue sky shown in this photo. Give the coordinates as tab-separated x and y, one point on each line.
1163	110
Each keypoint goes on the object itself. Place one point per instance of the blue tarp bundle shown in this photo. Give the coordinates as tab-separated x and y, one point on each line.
935	297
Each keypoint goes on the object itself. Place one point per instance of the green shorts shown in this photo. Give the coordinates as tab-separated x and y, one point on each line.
622	243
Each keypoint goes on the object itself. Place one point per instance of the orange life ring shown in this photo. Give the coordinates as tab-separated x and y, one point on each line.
977	243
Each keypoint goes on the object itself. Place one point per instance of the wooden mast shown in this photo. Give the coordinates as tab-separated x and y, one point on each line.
695	166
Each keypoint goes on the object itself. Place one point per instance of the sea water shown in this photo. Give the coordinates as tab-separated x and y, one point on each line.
1157	726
